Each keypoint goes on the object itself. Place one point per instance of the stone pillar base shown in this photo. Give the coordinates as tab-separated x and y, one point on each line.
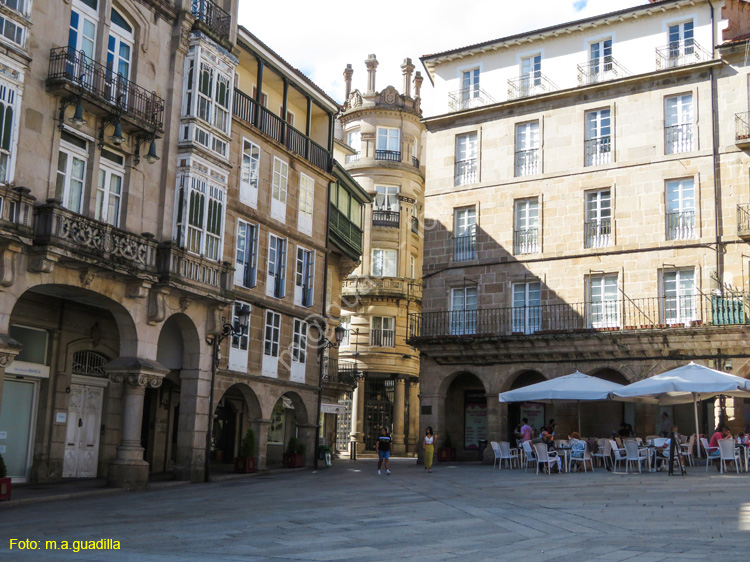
398	446
131	474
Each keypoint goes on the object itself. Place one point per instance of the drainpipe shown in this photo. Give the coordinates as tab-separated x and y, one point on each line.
715	150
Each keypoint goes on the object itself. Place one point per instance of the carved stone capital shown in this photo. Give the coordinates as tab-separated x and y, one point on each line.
136	372
40	264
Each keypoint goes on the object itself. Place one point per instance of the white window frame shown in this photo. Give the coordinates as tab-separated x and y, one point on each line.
680	296
84	13
306	204
72	153
467	159
469	86
196	236
598	137
249	173
239	344
354	140
526	218
10	104
304	277
681	209
679	124
274	262
271	344
678	48
604	301
246	255
598	218
386	198
390	140
527	307
379	332
600	64
279	188
384	263
299	351
465	233
464	311
530	74
104	194
527	149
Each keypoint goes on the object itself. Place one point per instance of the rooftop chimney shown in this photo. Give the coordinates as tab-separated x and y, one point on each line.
417	83
348	80
407	68
372	65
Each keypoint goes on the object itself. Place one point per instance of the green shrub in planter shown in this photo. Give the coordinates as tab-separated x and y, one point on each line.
247	447
301	448
291	447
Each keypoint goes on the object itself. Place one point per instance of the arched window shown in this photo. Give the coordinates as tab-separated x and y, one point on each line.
89	363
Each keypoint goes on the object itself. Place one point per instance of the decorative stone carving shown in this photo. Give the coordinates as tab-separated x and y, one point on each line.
136	372
96	334
86	277
157	305
9	251
185	303
136	290
390	95
137	379
40	264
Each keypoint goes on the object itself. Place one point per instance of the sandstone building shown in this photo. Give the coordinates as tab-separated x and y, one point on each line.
586	208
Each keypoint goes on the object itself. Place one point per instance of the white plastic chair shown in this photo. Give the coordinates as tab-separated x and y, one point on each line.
686	450
620	455
528	455
728	451
498	454
712	453
634	454
604	453
586	456
508	454
544	456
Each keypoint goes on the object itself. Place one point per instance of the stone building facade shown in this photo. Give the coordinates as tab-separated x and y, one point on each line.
381	144
586	202
150	193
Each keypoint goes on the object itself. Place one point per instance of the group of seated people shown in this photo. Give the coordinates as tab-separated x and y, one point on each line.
576	444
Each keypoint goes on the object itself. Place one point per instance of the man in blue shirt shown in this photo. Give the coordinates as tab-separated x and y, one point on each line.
384	450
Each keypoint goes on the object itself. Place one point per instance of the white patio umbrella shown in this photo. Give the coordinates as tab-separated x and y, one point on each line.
686	384
577	386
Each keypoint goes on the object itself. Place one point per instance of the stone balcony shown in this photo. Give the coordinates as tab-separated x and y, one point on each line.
195	274
385	287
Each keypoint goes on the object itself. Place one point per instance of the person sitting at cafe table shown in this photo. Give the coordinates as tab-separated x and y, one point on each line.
577	449
624	431
663	451
546	438
721	433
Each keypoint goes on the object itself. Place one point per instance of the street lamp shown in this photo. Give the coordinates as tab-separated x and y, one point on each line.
323	343
239	328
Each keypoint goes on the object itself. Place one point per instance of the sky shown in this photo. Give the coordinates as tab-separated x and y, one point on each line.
321	37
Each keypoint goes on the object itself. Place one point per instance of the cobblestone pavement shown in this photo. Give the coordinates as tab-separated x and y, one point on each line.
467	512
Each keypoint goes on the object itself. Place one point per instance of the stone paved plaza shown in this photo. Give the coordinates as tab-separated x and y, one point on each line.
461	512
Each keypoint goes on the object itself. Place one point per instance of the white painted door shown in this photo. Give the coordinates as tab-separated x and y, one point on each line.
82	435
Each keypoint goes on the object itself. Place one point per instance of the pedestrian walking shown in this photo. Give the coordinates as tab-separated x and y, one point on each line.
384	450
429	448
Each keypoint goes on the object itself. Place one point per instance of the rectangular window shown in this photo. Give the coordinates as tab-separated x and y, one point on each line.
239	346
263	97
109	188
598	225
464	311
11	31
465	234
304	276
531	75
681	209
385	263
598	139
279	189
412	267
678	124
526	237
604	307
600	60
71	171
469	88
200	216
681	43
386	198
246	266
10	99
272	334
388	144
205	91
467	163
306	199
299	341
527	149
249	173
221	112
527	307
383	332
354	140
82	31
276	278
679	296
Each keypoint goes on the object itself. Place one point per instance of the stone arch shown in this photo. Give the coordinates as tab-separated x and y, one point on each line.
86	344
141	26
447	381
237	410
523	377
464	414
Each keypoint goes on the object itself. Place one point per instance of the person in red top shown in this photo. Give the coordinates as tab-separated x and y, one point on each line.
721	434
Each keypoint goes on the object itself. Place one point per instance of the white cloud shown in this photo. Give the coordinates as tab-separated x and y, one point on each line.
321	37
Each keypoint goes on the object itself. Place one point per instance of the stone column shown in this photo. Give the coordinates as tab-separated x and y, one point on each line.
306	434
262	443
359	421
399	447
415	435
406	69
417	84
372	64
348	71
129	470
192	424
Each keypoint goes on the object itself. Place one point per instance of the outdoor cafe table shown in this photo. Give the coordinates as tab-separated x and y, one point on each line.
564	453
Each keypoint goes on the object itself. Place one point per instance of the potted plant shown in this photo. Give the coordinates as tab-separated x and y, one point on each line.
245	463
4	481
301	449
291	457
446	452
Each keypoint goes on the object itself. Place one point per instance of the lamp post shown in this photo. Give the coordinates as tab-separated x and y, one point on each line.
239	328
323	344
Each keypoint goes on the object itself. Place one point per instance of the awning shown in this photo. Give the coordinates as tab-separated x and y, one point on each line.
332	408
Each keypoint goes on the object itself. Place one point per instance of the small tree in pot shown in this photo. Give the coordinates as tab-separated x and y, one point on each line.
4	481
246	461
290	456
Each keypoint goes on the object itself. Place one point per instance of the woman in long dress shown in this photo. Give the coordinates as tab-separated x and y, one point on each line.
429	448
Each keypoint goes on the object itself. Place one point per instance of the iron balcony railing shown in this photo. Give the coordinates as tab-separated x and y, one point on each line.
415	225
212	16
248	110
681	225
527	162
105	88
344	230
743	219
528	85
388	155
341	371
598	233
597	71
680	53
468	98
621	314
466	172
742	128
351	158
678	138
598	150
382	338
386	218
415	161
465	247
526	241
